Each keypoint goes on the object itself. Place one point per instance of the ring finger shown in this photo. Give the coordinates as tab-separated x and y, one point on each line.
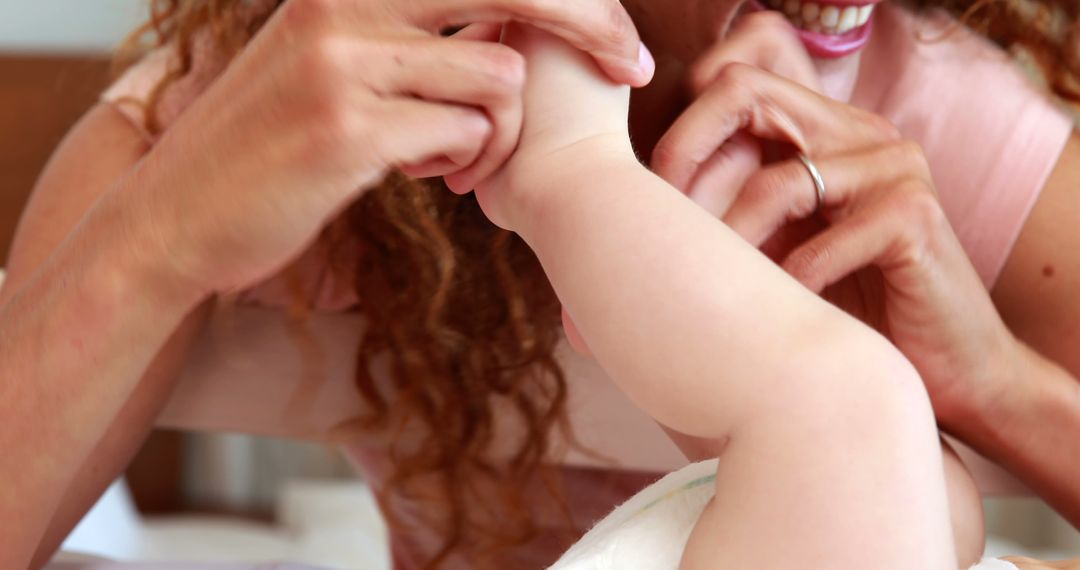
768	107
785	192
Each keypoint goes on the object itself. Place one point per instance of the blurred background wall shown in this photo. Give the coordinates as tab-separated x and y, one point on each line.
66	26
54	59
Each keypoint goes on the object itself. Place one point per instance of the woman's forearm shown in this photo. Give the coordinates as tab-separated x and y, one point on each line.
74	341
1031	428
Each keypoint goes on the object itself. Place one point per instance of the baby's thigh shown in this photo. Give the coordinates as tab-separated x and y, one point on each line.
965	506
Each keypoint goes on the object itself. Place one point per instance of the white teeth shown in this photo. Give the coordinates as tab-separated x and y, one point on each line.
827	19
864	14
830	15
847	19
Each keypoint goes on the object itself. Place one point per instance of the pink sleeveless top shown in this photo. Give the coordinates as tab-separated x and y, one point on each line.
991	152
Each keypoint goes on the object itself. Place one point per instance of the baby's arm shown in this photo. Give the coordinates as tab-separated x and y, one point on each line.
832	458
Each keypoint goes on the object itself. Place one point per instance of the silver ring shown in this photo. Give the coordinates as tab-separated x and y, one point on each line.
815	175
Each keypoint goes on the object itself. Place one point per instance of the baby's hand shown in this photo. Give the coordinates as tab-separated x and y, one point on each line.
574	118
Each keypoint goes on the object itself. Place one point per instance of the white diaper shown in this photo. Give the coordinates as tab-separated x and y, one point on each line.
650	531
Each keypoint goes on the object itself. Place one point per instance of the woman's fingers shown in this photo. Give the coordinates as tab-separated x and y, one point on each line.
443	165
601	28
450	131
840	250
892	232
769	107
486	32
720	179
763	39
433	168
483	75
784	192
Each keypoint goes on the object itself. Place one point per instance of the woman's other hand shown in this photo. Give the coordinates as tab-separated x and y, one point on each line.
330	96
878	245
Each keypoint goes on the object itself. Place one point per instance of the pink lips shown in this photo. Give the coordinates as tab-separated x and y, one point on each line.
832	46
829	46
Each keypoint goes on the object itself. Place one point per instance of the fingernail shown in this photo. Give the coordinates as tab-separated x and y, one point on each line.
646	63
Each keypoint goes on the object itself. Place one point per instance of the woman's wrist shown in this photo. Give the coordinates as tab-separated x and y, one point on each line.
975	411
1001	416
1030	430
134	253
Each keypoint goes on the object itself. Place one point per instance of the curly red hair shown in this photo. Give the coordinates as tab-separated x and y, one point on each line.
1046	32
457	311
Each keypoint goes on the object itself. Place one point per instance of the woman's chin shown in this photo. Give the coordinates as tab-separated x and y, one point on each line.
838	75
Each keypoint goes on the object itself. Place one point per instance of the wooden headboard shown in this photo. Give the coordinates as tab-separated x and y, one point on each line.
40	98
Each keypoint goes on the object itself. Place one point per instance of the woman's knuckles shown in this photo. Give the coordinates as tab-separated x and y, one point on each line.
920	224
721	75
912	155
757	38
495	70
786	186
876	124
616	30
610	34
298	16
505	70
298	19
303	17
736	78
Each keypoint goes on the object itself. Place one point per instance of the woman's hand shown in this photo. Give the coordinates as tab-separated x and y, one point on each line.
879	245
572	112
763	39
327	98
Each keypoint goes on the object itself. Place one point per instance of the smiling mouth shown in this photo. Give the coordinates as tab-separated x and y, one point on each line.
822	18
830	29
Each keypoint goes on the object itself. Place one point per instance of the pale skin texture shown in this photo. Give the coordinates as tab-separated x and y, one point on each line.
832	417
653	326
1020	405
103	278
1003	384
880	204
69	188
